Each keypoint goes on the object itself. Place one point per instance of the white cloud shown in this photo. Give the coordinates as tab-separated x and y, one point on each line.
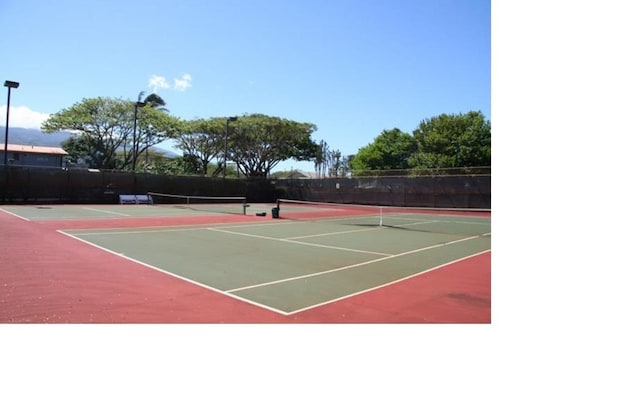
183	83
158	82
22	117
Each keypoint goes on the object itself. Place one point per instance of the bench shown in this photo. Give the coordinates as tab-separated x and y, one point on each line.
135	199
143	199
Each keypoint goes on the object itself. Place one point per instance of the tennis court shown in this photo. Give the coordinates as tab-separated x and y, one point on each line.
310	256
164	205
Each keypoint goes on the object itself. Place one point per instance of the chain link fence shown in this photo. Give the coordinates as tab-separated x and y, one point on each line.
26	185
432	191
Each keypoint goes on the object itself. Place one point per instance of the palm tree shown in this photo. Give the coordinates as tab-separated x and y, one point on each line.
153	101
320	162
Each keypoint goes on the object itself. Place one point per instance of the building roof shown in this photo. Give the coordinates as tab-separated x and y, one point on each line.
298	175
27	148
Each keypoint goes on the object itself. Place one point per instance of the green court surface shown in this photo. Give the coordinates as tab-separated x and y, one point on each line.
112	211
288	266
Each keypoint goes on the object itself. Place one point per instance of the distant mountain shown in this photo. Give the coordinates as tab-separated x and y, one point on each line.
35	137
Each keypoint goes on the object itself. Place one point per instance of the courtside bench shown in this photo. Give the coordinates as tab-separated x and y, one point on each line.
135	199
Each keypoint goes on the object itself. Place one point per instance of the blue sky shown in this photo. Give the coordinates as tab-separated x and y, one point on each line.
564	88
351	67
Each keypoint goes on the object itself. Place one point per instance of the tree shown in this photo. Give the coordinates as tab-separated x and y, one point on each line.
335	159
154	101
154	126
104	127
448	140
257	143
389	150
202	141
329	162
102	124
83	149
320	159
345	165
172	166
155	123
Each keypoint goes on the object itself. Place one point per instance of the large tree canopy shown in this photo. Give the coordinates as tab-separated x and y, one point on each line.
201	141
102	125
445	141
104	134
257	143
113	133
390	150
104	129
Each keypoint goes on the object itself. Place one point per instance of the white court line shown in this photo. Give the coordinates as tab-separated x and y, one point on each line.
386	284
230	294
174	275
120	231
388	257
417	221
334	233
105	211
15	215
296	242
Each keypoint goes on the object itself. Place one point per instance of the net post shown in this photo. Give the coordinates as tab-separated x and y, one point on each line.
380	217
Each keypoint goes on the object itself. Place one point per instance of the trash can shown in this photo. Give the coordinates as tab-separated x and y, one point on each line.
275	212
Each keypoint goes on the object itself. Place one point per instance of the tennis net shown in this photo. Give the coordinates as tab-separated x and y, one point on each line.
212	204
437	220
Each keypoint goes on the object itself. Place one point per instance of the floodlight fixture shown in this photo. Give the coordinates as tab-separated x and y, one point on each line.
135	142
226	134
9	85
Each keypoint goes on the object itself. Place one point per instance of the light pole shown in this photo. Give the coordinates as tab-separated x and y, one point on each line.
8	85
226	134
135	123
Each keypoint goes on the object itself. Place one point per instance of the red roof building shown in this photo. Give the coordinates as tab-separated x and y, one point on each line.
41	156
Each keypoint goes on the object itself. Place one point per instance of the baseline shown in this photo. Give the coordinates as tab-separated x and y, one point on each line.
387	284
387	257
174	275
106	212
